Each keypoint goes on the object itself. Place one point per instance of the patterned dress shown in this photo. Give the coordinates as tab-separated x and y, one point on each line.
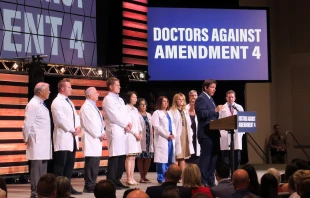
147	154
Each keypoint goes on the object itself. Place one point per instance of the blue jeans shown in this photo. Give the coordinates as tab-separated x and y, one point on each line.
161	168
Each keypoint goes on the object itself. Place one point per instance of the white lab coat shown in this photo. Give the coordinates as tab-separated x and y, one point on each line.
225	137
92	127
64	124
116	118
37	131
132	145
197	143
161	133
143	140
177	120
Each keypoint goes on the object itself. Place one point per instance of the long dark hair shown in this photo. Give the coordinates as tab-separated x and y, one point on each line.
268	186
254	185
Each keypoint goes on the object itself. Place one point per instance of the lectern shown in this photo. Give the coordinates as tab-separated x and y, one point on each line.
243	121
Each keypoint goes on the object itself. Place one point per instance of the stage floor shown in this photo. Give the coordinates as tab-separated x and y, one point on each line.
23	190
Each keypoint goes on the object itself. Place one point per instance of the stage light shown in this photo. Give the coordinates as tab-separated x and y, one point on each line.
142	76
15	66
62	70
100	72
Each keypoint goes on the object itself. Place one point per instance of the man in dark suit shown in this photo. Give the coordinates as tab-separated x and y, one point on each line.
172	176
209	140
241	182
224	186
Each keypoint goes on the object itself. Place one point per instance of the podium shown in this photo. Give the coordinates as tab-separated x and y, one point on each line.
243	121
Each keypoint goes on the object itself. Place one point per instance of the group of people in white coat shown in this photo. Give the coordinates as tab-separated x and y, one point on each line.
169	136
68	125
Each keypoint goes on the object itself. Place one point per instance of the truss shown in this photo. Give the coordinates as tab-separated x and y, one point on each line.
23	66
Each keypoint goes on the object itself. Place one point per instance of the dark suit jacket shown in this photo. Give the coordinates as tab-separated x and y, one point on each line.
242	193
205	111
224	188
157	191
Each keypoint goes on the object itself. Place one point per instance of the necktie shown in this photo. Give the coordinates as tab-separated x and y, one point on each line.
100	119
231	110
212	101
44	104
67	99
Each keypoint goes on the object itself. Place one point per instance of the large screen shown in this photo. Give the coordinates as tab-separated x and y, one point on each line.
197	44
65	30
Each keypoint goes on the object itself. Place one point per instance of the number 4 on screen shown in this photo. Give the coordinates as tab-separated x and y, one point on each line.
256	52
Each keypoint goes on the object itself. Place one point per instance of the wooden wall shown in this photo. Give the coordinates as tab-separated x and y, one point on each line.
13	100
135	32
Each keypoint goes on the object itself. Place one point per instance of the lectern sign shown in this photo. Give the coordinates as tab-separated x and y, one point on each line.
246	121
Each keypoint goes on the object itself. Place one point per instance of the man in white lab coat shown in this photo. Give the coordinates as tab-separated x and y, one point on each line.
118	124
231	108
66	131
37	134
92	136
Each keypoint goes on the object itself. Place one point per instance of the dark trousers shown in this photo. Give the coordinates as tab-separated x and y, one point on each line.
91	170
210	148
37	169
278	158
116	167
64	163
226	157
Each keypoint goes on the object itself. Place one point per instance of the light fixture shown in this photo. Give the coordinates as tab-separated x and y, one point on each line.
99	72
62	70
15	66
142	76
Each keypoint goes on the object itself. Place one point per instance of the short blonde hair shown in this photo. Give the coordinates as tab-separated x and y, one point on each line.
174	101
302	181
275	173
191	176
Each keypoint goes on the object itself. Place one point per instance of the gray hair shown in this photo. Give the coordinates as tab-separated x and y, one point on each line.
275	173
40	87
191	92
89	91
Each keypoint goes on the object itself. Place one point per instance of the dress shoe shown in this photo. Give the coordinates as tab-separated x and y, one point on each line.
75	192
117	187
85	190
118	183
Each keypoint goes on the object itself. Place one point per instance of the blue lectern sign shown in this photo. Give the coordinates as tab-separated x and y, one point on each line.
246	121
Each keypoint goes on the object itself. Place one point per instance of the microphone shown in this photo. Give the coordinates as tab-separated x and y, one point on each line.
233	106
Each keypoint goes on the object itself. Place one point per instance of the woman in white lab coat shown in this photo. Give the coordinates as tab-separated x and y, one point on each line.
144	159
133	146
194	159
164	135
183	140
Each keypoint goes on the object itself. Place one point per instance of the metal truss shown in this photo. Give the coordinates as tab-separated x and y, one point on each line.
119	71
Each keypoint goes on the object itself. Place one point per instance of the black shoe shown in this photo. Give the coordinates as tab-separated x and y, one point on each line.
85	190
75	192
117	187
119	184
